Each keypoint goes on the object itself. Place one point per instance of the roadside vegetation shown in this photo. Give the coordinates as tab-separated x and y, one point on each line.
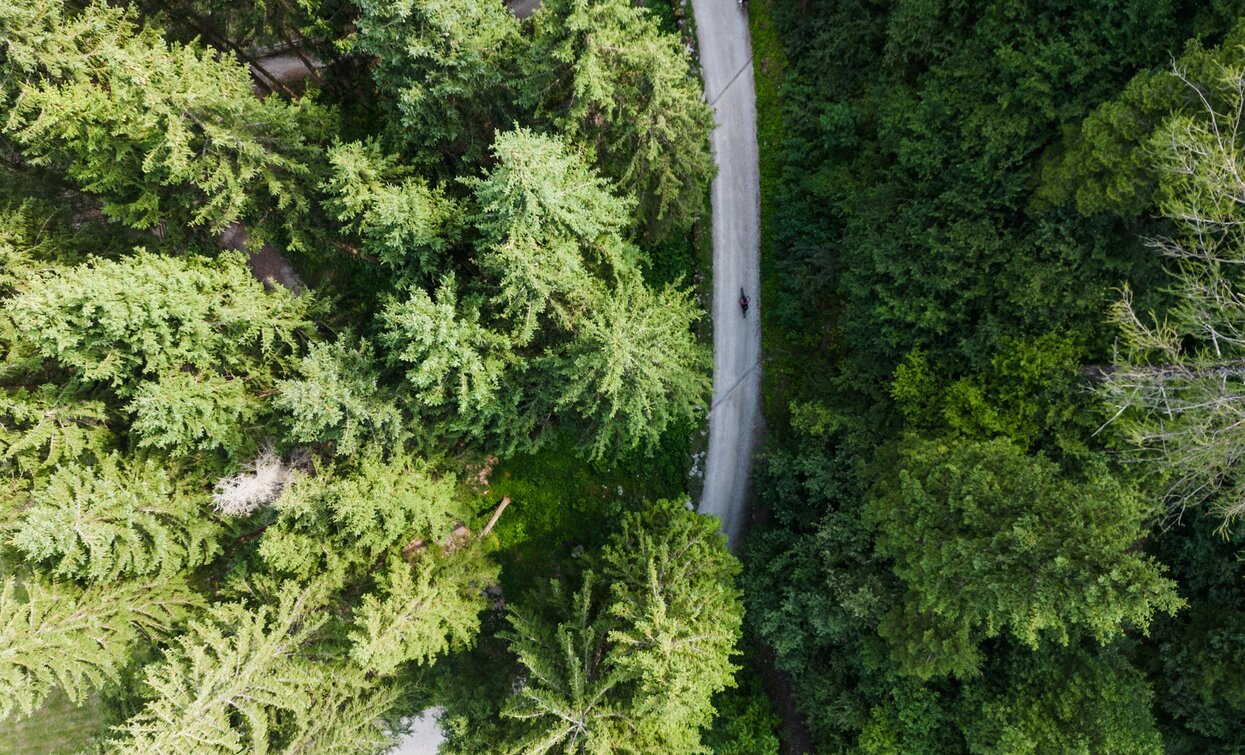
249	516
998	507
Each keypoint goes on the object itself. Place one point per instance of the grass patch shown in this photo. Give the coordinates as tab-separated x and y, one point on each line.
58	728
562	505
769	67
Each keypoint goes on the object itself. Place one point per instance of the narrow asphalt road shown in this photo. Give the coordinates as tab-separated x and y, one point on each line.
734	415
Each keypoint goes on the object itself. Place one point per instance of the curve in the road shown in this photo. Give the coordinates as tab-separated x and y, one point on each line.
734	416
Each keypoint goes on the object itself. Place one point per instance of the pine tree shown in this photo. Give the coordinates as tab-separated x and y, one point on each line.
183	413
442	67
427	609
609	78
568	696
337	399
549	227
345	519
161	131
634	369
122	518
148	316
632	669
51	424
455	366
59	637
678	616
234	680
397	217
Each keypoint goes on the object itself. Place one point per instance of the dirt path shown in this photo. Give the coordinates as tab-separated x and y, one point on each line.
734	417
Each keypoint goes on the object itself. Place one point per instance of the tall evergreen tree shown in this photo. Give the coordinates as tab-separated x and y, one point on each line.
631	669
119	519
147	316
424	610
60	637
443	67
239	680
162	132
607	76
634	370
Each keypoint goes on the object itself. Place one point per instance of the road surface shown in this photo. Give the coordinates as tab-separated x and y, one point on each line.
734	416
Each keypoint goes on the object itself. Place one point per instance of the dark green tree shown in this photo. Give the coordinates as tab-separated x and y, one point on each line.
988	540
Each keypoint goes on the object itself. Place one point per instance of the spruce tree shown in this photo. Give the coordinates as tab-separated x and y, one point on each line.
55	636
160	131
119	519
422	610
609	78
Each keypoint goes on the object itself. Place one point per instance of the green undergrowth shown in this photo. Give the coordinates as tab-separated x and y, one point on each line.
562	506
769	66
58	728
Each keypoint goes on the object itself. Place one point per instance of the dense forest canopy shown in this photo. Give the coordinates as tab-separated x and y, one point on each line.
330	398
245	515
1000	505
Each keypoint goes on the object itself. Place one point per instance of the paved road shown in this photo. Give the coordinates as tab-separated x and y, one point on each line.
734	417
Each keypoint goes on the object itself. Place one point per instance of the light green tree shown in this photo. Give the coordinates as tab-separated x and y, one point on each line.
51	424
54	636
633	369
148	315
630	664
397	217
347	517
443	67
422	610
987	540
455	365
568	698
337	398
161	131
678	615
121	518
186	412
549	226
238	680
605	74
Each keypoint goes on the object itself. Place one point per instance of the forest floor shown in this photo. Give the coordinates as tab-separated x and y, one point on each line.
734	416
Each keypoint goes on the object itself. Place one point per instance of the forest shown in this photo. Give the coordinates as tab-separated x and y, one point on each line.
336	397
333	398
1002	255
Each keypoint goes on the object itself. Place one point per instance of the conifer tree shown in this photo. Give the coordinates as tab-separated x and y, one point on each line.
398	218
148	316
678	616
161	131
54	636
634	369
568	696
183	413
455	365
609	78
337	399
347	517
631	668
550	227
119	519
442	67
425	609
234	681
